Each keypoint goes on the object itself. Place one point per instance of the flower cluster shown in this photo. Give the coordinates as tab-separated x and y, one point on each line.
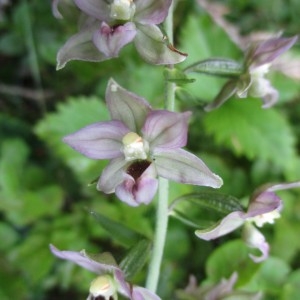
264	207
142	144
107	26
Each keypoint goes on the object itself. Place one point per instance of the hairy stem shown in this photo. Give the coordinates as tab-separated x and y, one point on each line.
163	194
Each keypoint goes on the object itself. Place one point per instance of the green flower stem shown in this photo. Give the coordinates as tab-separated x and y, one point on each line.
163	193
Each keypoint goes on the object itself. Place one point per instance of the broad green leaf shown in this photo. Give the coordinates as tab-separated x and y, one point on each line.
228	258
118	231
291	288
70	117
223	67
136	258
248	130
194	209
271	276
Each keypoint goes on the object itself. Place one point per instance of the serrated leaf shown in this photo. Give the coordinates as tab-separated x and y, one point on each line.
189	208
246	129
136	258
223	67
118	231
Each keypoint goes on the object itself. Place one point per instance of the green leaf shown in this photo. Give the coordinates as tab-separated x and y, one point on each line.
136	258
223	67
118	231
70	117
228	258
194	209
105	258
248	130
291	289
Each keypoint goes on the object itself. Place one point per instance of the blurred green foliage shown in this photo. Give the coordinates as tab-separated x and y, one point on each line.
45	194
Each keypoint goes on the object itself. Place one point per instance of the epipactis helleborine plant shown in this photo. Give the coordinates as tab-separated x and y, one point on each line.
141	144
110	280
264	207
252	83
107	26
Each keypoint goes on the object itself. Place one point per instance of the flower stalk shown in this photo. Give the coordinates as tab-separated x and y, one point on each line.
162	216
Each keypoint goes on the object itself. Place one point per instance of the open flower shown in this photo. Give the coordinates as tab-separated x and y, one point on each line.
222	290
110	279
252	82
142	144
264	207
108	26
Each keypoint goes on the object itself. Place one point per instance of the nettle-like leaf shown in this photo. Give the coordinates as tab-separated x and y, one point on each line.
70	117
248	130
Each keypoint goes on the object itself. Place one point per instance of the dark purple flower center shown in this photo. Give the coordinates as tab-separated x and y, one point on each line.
137	168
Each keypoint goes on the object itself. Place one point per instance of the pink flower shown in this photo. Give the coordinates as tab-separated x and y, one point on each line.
141	144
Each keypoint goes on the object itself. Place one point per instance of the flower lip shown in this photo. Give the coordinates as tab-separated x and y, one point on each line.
137	168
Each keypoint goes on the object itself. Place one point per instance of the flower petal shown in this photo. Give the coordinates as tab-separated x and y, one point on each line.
110	40
265	52
226	225
79	47
112	175
83	260
263	203
150	44
166	129
151	11
182	166
101	140
139	191
255	239
96	8
126	106
140	293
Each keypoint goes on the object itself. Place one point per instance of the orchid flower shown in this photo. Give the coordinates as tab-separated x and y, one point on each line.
252	83
264	207
110	279
109	25
222	290
142	144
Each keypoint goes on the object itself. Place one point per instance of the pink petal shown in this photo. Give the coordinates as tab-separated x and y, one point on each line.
263	203
112	175
80	47
255	239
151	11
181	166
226	225
101	140
165	129
110	40
82	259
126	106
139	191
140	293
98	9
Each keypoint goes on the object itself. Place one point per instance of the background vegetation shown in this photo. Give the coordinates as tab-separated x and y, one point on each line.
44	191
